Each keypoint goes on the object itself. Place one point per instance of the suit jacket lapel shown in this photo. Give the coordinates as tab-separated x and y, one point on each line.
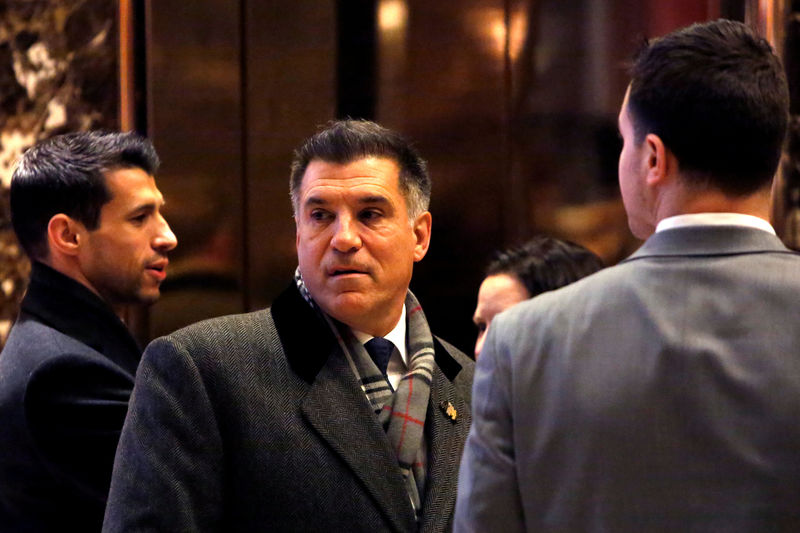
445	445
338	410
336	407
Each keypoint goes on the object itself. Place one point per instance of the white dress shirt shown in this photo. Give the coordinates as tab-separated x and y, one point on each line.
715	219
398	363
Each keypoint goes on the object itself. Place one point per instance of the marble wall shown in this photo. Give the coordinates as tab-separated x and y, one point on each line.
58	73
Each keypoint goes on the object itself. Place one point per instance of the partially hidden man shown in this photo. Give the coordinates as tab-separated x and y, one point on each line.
336	409
661	394
86	209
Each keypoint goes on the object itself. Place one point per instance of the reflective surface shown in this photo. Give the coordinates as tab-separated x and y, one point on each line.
786	208
194	120
513	103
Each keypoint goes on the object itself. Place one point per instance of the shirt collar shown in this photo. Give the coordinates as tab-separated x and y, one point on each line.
714	219
397	336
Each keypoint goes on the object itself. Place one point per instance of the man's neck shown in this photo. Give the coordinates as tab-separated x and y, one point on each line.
691	200
68	268
397	335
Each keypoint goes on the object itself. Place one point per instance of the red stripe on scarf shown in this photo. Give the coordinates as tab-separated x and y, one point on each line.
402	415
405	417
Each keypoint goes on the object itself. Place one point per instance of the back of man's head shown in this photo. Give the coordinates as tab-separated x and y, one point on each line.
65	174
717	96
344	141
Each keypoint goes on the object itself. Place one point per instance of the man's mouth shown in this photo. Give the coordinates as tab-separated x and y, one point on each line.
333	272
158	269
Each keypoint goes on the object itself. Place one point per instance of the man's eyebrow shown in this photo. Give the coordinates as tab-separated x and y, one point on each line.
315	200
148	206
373	199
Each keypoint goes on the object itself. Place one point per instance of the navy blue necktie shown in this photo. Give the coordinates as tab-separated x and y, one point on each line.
380	350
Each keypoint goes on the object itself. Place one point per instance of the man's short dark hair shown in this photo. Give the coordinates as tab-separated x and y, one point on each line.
717	96
545	264
345	141
65	174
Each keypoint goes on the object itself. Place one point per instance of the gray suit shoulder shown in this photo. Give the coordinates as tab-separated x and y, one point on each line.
569	295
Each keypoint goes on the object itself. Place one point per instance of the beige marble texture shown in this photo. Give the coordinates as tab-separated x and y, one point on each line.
58	73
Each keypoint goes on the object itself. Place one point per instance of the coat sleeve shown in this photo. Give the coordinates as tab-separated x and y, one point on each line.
75	407
488	495
168	468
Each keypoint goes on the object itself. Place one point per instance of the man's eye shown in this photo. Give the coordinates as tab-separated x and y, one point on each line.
139	219
318	215
370	214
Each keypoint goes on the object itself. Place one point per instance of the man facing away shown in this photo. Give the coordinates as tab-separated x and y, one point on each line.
86	209
290	418
661	394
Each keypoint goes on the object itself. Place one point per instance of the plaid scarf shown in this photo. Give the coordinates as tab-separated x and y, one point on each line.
402	412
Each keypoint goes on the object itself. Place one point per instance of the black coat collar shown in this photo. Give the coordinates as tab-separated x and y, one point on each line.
308	341
67	306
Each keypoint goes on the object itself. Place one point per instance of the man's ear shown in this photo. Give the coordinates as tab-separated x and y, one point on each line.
659	161
422	232
64	234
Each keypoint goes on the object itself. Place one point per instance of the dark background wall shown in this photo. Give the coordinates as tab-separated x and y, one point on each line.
513	103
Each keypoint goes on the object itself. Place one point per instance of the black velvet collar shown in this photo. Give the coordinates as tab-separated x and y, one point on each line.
306	338
308	341
67	306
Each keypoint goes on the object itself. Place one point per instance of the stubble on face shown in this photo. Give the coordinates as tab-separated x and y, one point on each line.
632	175
124	259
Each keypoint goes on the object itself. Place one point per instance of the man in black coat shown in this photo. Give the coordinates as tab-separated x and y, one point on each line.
334	410
86	210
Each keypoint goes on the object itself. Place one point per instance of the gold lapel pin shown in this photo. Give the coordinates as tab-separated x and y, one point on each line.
448	410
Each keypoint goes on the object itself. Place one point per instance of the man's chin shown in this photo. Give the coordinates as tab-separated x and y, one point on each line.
147	298
349	308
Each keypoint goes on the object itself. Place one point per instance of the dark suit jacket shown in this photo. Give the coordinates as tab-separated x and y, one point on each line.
662	394
256	422
66	374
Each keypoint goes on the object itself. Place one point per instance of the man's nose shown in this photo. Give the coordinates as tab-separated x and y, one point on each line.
345	237
164	240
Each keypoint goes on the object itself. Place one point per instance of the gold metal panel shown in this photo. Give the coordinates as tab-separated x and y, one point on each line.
290	92
194	120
